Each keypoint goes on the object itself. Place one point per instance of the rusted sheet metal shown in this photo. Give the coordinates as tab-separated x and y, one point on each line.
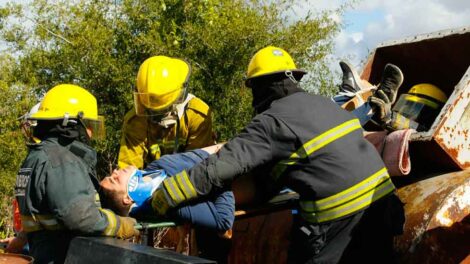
453	132
440	58
427	36
437	227
262	238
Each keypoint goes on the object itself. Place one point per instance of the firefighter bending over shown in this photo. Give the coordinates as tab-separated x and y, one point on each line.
166	119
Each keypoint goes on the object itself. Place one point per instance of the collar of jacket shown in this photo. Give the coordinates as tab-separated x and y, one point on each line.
267	90
79	149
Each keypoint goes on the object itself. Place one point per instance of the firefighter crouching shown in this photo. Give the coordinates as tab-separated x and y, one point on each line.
56	186
347	210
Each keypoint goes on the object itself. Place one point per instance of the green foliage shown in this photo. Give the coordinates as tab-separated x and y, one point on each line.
16	100
99	45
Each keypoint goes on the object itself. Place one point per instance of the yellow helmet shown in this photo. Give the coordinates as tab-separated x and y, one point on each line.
161	83
271	60
428	90
419	107
68	101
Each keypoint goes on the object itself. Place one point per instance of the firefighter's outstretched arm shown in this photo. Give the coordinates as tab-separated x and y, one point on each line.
251	148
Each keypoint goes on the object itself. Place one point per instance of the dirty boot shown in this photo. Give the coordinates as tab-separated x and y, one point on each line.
392	78
351	80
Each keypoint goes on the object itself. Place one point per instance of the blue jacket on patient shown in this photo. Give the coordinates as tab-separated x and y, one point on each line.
216	212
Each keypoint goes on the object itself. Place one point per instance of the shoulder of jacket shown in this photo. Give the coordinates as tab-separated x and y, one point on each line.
199	106
129	116
57	154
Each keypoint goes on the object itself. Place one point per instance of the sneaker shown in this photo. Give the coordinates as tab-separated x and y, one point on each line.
351	80
392	78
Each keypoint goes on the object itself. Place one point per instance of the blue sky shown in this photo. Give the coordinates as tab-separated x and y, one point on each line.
356	20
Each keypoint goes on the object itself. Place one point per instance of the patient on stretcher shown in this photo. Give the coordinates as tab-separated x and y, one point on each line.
128	192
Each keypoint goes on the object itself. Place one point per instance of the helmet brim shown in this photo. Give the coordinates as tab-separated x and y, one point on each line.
298	74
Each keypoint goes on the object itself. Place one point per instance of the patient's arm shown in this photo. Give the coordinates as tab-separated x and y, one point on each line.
214	148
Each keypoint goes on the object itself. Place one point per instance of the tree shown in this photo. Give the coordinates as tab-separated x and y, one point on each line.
99	45
16	99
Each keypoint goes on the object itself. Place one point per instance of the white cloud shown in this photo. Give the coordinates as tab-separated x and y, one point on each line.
357	37
401	18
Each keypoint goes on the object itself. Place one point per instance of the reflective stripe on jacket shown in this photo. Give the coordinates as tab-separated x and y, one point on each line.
143	141
349	201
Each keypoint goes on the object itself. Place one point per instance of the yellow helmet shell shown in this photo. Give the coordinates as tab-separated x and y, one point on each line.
67	100
161	82
271	60
429	90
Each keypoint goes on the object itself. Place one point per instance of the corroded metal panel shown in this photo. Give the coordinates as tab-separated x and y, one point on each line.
437	227
453	131
262	238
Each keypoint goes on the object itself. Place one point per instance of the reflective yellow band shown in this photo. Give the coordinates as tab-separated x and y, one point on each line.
172	188
401	122
40	222
97	199
29	225
315	144
112	227
186	185
159	202
168	143
349	201
342	197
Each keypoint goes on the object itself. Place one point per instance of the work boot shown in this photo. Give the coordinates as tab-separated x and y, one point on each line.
351	80
392	78
385	95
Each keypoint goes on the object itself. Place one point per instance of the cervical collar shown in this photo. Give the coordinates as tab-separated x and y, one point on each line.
139	189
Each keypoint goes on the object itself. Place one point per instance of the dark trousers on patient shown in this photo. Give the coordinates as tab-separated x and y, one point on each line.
365	237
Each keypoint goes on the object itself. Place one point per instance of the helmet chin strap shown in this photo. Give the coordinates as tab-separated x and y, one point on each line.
169	119
173	116
65	121
290	75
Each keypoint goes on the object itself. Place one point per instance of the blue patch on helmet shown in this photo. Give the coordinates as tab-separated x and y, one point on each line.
139	189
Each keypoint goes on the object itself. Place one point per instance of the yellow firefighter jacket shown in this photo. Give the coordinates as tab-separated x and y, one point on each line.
143	141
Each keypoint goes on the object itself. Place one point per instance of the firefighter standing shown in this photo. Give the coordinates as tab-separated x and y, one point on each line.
307	143
166	119
56	186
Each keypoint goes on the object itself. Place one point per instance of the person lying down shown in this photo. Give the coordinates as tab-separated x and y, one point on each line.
128	191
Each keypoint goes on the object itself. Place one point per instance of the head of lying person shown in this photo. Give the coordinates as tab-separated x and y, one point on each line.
114	193
129	187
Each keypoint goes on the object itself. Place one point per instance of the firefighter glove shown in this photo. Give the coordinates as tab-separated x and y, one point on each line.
160	202
172	192
382	105
127	228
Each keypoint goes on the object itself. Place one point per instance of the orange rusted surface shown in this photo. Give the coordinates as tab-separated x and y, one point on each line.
437	227
453	132
262	238
8	258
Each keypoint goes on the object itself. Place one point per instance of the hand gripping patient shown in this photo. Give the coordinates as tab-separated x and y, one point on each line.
128	192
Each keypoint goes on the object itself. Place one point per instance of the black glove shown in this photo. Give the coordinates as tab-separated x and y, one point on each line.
382	106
